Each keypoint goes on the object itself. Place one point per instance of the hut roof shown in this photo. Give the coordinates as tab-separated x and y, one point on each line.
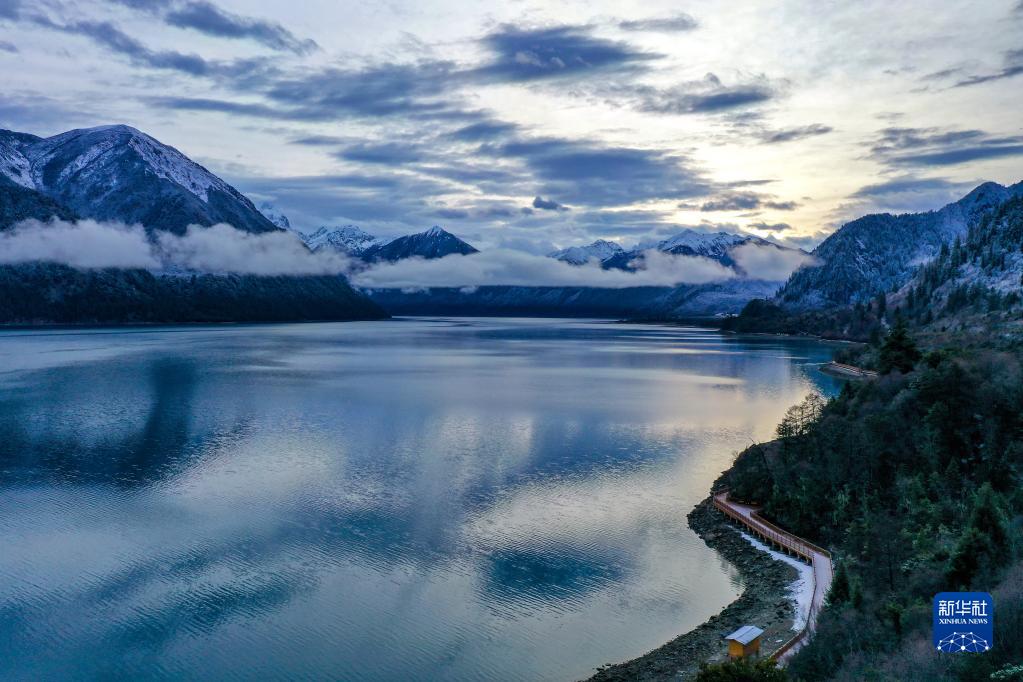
745	634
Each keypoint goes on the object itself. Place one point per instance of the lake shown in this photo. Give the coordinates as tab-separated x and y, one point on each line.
443	499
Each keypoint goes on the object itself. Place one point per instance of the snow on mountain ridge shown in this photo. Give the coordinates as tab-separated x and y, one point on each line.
348	239
271	213
600	250
164	161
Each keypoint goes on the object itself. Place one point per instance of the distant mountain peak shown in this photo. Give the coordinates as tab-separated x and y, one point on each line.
275	216
600	250
347	239
433	243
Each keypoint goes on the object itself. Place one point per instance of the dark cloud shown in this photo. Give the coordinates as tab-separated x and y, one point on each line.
1013	66
207	18
676	24
906	184
369	199
771	227
144	5
941	147
521	54
798	133
451	213
588	173
378	90
109	36
10	9
706	96
319	140
484	130
950	157
244	108
737	201
8	47
548	204
745	201
392	153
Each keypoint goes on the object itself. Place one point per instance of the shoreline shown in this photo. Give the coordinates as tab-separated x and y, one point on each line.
766	601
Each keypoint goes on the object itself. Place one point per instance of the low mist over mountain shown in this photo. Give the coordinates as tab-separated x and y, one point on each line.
121	177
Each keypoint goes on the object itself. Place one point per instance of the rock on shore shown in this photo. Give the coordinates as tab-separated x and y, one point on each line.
764	602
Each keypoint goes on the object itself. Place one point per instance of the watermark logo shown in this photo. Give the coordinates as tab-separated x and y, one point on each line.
964	622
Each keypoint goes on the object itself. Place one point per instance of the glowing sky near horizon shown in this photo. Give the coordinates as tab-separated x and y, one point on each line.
530	125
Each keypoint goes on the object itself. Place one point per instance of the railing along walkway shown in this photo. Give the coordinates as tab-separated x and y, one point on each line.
817	557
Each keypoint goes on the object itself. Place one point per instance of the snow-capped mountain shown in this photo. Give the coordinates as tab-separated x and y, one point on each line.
879	253
434	243
348	239
271	213
714	245
119	173
600	251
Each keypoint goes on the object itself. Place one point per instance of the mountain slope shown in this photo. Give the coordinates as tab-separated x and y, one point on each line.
434	243
119	173
981	275
878	253
600	251
19	203
348	239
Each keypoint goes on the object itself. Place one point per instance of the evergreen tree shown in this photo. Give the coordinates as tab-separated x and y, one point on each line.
840	589
899	351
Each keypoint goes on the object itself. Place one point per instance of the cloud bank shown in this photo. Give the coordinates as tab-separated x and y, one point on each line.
771	264
85	245
505	267
89	244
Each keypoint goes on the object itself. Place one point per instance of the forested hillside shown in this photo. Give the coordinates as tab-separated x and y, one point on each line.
57	294
979	276
913	481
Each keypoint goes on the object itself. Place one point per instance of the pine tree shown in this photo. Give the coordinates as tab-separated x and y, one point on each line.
899	351
840	589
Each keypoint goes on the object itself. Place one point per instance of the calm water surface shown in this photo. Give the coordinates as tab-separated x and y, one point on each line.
449	499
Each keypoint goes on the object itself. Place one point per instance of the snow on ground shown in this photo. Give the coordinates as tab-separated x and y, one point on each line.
800	590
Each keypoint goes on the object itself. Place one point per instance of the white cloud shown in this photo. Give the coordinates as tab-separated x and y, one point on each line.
516	268
85	244
222	248
769	263
89	244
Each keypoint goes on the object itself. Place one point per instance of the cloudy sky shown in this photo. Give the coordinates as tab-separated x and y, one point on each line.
528	125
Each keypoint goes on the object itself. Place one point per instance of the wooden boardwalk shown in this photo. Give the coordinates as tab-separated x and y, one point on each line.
847	371
818	558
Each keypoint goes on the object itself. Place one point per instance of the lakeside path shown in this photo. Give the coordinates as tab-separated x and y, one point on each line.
819	559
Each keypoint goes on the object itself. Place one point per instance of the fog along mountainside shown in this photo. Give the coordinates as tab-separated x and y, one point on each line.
116	173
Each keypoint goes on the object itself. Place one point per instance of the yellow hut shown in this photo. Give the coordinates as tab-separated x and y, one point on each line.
744	642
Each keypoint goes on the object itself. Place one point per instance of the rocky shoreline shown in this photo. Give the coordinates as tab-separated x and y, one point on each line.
764	602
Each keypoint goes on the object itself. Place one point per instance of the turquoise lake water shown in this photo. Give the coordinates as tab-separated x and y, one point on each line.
442	499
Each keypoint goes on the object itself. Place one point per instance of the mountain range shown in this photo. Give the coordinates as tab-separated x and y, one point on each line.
121	174
646	301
